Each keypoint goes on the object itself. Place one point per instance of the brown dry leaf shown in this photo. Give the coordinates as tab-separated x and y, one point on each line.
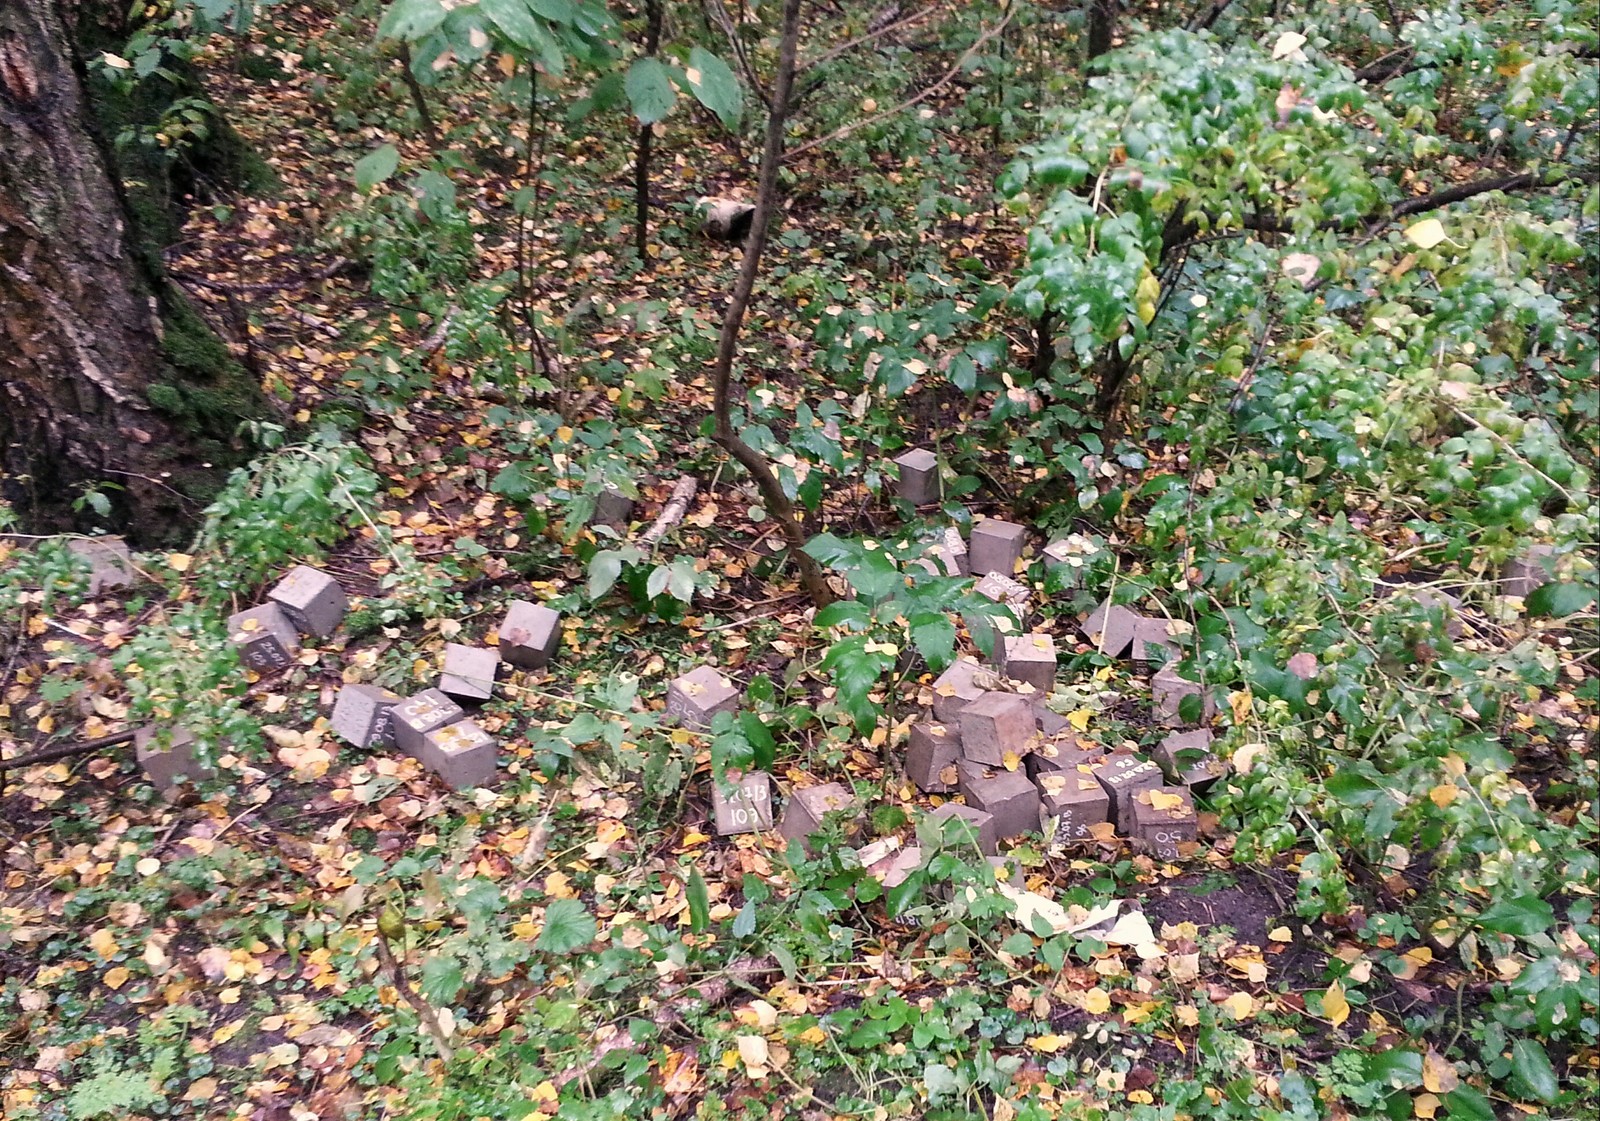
1438	1073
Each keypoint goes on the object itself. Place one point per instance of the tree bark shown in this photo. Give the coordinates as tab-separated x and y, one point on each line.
641	158
106	375
778	504
1102	25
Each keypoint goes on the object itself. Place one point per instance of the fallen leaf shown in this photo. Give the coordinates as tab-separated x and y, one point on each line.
1280	934
1096	1002
1334	1005
1288	45
1438	1073
1426	233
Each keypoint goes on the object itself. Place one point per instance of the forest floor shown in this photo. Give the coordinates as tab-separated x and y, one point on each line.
576	937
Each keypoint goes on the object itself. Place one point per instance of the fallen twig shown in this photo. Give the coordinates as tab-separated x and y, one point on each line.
51	754
425	1011
672	513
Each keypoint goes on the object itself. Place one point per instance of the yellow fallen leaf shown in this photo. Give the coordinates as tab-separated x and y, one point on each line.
814	1036
1096	1001
1443	794
104	943
1079	718
200	1090
1241	1005
1047	1044
116	977
1438	1073
1161	800
1334	1005
1011	760
1188	1015
1426	1105
1280	934
753	1050
179	562
1426	233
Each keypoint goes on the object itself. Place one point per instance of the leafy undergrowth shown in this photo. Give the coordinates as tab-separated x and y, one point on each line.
1389	912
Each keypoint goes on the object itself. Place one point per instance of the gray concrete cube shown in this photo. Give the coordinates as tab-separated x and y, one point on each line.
612	508
977	828
110	562
893	869
266	640
1008	795
987	630
469	672
363	715
462	754
951	553
744	806
1074	801
1167	691
417	715
1049	721
1111	627
996	546
529	634
1522	575
1153	644
919	482
1060	754
313	601
955	688
803	816
1122	776
165	763
994	724
1032	658
1160	832
1185	758
931	756
697	696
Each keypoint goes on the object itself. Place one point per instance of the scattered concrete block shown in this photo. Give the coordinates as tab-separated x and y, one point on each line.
416	716
313	600
1122	776
743	807
166	763
1068	560
1167	691
469	671
1522	575
1186	759
957	687
266	640
1050	722
696	697
890	868
1153	644
110	562
1032	658
1074	801
919	482
1111	627
931	756
996	724
1003	589
363	715
1008	795
988	629
996	546
529	634
1061	753
803	816
612	508
976	828
726	219
951	553
462	754
1163	819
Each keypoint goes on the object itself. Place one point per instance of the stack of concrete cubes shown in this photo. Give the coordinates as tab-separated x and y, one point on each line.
307	601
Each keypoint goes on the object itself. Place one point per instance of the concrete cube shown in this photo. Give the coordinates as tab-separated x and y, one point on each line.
988	629
1074	801
1032	658
745	806
1111	627
1153	644
469	671
1186	759
363	715
803	816
1008	795
529	634
1167	691
931	756
110	562
892	870
1158	826
1067	560
165	763
313	600
612	508
697	696
1521	575
977	828
918	483
996	546
1060	753
462	754
1122	776
955	688
1049	721
951	553
994	724
416	716
265	638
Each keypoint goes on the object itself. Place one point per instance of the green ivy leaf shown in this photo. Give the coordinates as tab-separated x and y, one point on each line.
649	91
763	748
699	902
714	85
1466	1104
567	928
1524	916
744	923
1531	1067
376	166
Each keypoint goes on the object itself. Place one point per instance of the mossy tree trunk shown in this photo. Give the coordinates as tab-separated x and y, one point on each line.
106	374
